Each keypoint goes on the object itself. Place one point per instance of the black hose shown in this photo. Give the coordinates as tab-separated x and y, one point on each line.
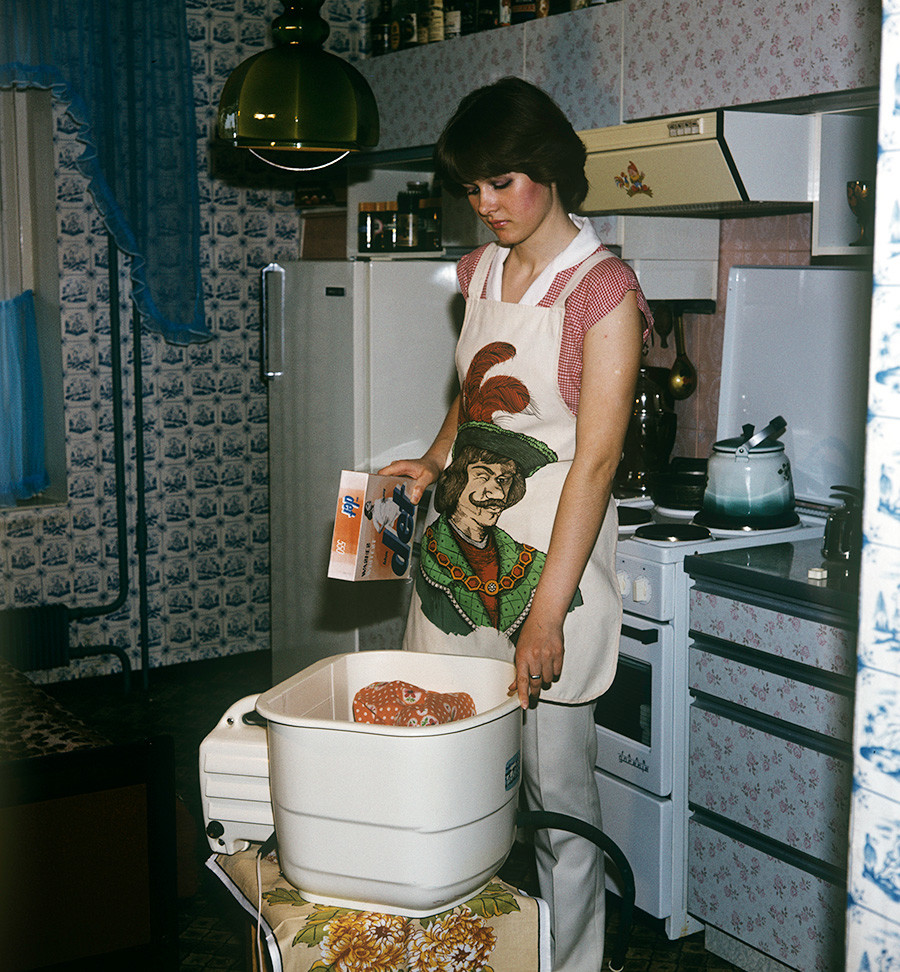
548	820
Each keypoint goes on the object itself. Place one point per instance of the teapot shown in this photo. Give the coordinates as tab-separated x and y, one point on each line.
749	481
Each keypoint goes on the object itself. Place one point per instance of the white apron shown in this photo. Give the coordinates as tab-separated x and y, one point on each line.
508	357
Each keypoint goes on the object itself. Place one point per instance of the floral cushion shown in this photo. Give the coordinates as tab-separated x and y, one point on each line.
401	704
34	724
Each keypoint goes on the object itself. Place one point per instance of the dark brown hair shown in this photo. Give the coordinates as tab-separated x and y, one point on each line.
512	126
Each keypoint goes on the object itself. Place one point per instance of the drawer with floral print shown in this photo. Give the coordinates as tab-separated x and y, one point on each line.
784	633
778	786
777	908
818	701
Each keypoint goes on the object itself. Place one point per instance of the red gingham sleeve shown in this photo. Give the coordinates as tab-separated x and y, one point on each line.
601	291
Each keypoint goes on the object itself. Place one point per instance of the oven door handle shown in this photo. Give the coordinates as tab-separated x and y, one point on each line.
646	636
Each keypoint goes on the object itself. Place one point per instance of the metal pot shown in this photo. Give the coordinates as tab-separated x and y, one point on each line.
749	481
680	484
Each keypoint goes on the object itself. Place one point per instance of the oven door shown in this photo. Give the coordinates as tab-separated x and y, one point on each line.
635	715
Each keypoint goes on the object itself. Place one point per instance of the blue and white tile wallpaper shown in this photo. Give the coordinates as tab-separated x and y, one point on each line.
873	912
204	407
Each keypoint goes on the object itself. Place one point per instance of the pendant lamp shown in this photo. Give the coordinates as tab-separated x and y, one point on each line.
294	105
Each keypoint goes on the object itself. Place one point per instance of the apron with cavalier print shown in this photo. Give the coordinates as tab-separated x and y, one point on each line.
492	512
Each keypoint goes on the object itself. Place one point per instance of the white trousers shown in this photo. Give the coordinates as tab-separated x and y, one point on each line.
559	750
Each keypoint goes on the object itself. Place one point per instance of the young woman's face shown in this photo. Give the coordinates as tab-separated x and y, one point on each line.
512	206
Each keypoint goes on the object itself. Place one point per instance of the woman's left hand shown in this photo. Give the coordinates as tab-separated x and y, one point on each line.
539	659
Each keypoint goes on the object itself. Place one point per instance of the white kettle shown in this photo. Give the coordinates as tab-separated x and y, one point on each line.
750	485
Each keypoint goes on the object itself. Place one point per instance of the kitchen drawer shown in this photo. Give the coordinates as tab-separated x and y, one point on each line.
778	633
776	787
775	907
795	701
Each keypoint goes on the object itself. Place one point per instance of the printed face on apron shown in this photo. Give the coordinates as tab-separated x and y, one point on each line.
483	498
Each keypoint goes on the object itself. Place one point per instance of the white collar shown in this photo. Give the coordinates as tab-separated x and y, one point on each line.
581	247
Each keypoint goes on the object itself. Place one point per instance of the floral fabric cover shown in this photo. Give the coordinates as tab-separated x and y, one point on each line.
398	703
497	930
32	723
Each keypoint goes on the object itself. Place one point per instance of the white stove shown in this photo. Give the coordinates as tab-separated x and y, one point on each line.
814	318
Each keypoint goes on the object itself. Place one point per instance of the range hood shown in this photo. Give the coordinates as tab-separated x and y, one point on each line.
716	163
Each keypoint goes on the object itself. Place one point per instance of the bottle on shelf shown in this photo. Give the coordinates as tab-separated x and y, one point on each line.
381	30
435	21
468	16
409	28
423	15
452	19
396	33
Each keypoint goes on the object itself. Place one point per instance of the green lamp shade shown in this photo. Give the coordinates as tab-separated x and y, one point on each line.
297	97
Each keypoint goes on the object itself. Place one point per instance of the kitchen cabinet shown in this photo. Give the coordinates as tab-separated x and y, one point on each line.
835	229
636	59
772	665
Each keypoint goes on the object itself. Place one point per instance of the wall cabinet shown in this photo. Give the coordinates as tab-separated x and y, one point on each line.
835	230
771	680
623	61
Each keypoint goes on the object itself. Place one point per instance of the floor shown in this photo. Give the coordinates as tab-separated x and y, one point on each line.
186	701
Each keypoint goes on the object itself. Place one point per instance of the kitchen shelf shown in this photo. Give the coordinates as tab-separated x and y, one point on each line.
834	226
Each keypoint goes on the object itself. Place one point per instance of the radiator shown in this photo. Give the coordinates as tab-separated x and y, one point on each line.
35	637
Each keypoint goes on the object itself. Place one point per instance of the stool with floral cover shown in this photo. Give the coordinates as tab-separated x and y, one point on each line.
497	930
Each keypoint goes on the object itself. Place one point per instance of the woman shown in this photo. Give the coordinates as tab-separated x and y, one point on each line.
518	559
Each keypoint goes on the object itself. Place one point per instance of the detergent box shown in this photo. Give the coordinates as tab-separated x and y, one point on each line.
373	528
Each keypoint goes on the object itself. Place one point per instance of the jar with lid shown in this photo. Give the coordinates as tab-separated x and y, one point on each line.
430	212
408	221
368	227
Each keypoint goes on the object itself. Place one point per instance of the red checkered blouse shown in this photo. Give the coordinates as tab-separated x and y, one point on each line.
601	291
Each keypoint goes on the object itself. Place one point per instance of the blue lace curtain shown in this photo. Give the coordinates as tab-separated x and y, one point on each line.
123	68
22	471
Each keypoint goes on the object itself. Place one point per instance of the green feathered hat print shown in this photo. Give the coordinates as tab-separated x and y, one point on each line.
528	453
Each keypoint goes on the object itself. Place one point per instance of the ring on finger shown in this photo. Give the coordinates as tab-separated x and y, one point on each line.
534	676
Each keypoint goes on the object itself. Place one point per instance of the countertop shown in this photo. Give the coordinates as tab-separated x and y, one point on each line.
782	569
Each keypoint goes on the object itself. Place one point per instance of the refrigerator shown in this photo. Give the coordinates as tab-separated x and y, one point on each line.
358	358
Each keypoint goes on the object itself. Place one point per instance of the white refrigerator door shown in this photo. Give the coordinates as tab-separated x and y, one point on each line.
406	330
354	352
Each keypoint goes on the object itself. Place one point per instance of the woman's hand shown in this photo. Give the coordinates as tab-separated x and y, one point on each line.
423	472
539	658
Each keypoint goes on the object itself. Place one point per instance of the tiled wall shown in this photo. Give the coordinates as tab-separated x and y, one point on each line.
205	440
763	241
873	913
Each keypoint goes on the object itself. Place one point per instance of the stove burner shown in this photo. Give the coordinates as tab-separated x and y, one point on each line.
751	525
672	532
630	516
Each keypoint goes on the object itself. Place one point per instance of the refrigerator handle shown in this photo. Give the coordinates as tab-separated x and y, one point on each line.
271	357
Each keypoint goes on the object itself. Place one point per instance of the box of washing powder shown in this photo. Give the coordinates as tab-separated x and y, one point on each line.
373	528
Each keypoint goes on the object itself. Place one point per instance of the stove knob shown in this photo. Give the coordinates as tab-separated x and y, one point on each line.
640	590
624	583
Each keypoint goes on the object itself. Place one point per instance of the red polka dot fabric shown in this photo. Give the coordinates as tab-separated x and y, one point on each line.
401	704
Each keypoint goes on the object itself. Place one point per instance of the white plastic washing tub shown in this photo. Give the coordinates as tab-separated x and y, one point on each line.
402	820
